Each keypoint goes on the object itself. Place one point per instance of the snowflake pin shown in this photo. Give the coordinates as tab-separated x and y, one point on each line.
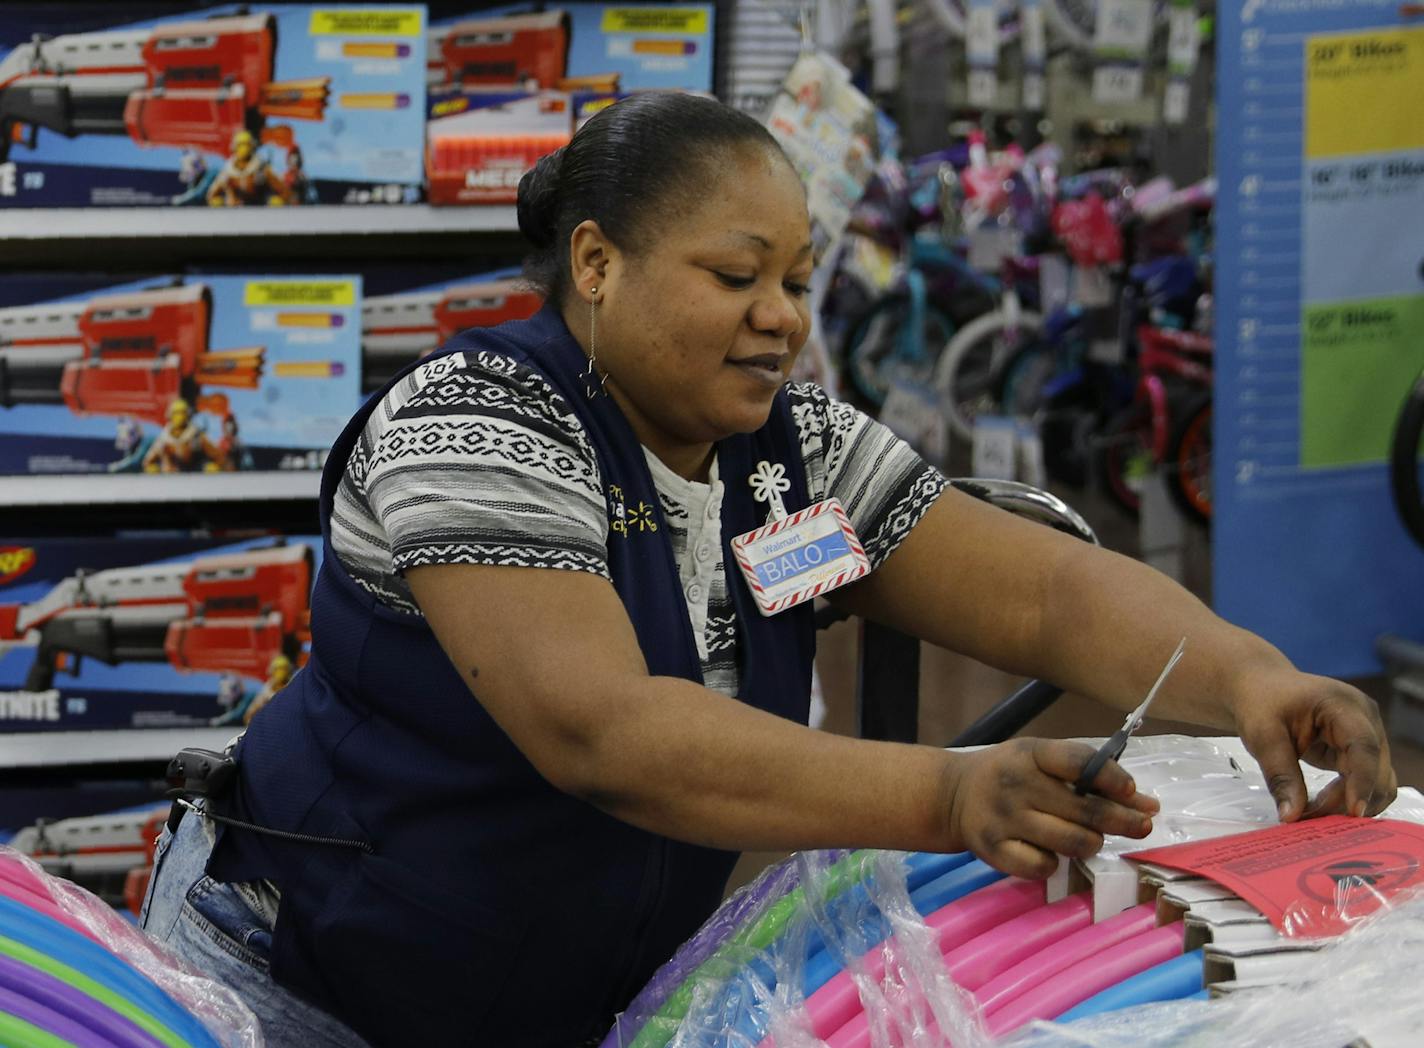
768	483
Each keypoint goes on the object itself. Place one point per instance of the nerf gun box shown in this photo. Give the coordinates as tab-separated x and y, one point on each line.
508	85
124	104
406	324
211	374
159	631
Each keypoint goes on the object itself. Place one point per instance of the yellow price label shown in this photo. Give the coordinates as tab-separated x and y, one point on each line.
347	21
1361	91
688	20
327	293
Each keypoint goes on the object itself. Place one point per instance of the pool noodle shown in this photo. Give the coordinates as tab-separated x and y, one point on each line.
50	1021
16	1033
70	976
44	904
663	1024
750	1022
1065	953
955	923
70	1001
69	947
999	949
1075	984
1169	981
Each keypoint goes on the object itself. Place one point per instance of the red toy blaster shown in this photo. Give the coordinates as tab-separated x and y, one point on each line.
128	354
230	613
397	329
187	84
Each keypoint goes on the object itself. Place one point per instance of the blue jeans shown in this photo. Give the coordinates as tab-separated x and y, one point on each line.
213	928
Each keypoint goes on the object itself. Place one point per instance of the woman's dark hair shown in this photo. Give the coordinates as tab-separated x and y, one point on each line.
622	169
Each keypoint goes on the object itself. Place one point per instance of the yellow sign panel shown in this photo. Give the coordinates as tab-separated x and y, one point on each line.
347	21
323	293
690	20
1363	92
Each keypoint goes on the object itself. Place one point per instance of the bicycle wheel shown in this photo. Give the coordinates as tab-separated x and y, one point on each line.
1189	461
1022	383
1406	462
873	355
1124	457
964	373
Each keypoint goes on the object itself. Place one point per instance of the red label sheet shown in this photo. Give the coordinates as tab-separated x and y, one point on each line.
1313	878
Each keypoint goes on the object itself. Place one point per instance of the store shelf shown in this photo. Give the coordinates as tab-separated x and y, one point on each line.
90	489
155	223
47	749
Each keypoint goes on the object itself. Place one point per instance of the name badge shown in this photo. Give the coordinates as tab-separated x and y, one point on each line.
795	558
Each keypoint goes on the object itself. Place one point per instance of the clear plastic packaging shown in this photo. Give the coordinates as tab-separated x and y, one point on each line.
1360	990
745	980
221	1012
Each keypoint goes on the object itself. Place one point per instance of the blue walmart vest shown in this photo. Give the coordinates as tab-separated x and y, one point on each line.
495	910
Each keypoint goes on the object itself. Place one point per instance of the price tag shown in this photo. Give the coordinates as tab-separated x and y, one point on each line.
1183	39
981	38
1034	50
990	245
1120	40
1176	101
913	414
995	447
1117	84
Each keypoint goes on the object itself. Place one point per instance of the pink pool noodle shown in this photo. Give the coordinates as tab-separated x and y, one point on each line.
1076	984
953	924
999	949
29	891
996	950
1051	960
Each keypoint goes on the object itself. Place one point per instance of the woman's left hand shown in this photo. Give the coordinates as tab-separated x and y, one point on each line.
1284	716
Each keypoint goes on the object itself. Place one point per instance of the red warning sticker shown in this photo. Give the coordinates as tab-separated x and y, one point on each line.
1311	879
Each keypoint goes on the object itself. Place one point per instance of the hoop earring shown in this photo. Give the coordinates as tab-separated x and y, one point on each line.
595	384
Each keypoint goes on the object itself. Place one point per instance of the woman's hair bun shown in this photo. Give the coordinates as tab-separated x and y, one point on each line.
538	208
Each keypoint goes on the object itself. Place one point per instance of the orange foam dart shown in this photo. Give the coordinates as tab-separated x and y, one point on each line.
310	320
664	47
375	100
304	99
213	404
597	82
374	49
309	369
236	368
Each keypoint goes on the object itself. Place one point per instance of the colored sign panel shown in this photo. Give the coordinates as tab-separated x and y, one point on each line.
1320	324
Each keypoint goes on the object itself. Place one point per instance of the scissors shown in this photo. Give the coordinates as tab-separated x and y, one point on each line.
1112	749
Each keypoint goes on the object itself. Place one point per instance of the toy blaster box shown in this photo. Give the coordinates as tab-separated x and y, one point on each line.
160	631
209	374
405	324
508	85
121	104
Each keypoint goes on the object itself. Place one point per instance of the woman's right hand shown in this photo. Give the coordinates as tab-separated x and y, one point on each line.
1013	805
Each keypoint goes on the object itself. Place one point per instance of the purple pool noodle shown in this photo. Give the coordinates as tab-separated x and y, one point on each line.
50	1021
72	1003
702	945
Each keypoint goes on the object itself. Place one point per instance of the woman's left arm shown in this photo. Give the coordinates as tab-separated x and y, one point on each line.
1031	600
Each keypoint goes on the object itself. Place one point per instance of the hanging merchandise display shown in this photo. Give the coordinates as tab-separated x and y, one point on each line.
982	42
1321	311
227	106
1120	40
1034	51
1183	42
507	86
149	632
166	375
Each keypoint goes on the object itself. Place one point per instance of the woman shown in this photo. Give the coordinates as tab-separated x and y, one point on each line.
515	753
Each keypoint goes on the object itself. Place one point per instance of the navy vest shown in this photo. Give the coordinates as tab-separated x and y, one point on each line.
495	910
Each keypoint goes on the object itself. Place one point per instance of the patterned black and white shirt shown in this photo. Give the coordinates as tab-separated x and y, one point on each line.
475	459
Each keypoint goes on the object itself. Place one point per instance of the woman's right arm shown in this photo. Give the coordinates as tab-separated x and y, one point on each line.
553	658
